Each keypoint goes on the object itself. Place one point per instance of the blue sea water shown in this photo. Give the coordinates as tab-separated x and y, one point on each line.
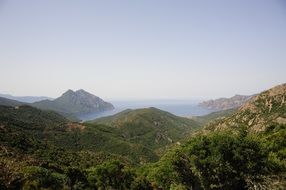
179	108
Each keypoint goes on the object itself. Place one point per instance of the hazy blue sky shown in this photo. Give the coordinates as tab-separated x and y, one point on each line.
142	49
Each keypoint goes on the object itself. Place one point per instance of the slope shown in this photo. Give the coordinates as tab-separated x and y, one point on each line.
73	104
205	119
9	102
150	127
28	129
263	110
26	99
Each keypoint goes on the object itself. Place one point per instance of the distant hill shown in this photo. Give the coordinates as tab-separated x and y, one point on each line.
25	129
9	102
74	104
26	99
225	103
205	119
150	127
261	111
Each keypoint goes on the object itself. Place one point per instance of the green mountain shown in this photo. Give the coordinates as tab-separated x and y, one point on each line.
261	111
27	127
244	150
32	139
150	127
73	104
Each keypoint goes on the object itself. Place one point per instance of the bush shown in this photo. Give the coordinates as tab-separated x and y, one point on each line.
110	175
37	177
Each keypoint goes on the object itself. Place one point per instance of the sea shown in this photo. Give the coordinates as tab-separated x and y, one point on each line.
183	108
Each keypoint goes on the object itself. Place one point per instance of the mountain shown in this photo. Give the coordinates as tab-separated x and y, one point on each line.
205	119
74	104
9	102
26	99
136	141
225	103
245	149
150	127
35	144
261	111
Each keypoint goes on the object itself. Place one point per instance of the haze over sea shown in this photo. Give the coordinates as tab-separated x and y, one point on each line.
183	108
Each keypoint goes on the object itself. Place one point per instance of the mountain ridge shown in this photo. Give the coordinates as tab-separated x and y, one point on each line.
151	127
221	104
265	109
75	103
9	102
42	149
25	99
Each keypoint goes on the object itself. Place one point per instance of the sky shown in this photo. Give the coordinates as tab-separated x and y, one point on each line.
148	49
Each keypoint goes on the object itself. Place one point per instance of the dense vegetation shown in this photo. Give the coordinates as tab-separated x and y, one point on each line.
214	161
150	127
43	150
225	161
39	144
265	109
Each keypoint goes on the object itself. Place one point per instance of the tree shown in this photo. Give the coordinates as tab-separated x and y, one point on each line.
110	175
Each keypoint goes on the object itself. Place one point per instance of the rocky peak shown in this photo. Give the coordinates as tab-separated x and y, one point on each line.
76	103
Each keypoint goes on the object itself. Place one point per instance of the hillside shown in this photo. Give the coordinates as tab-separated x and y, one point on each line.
9	102
225	103
205	119
150	127
244	150
261	111
31	127
73	104
43	150
26	99
44	140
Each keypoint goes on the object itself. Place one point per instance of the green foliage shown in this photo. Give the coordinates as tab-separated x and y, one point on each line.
150	127
76	178
174	169
37	177
39	150
141	183
110	175
273	140
224	161
215	161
